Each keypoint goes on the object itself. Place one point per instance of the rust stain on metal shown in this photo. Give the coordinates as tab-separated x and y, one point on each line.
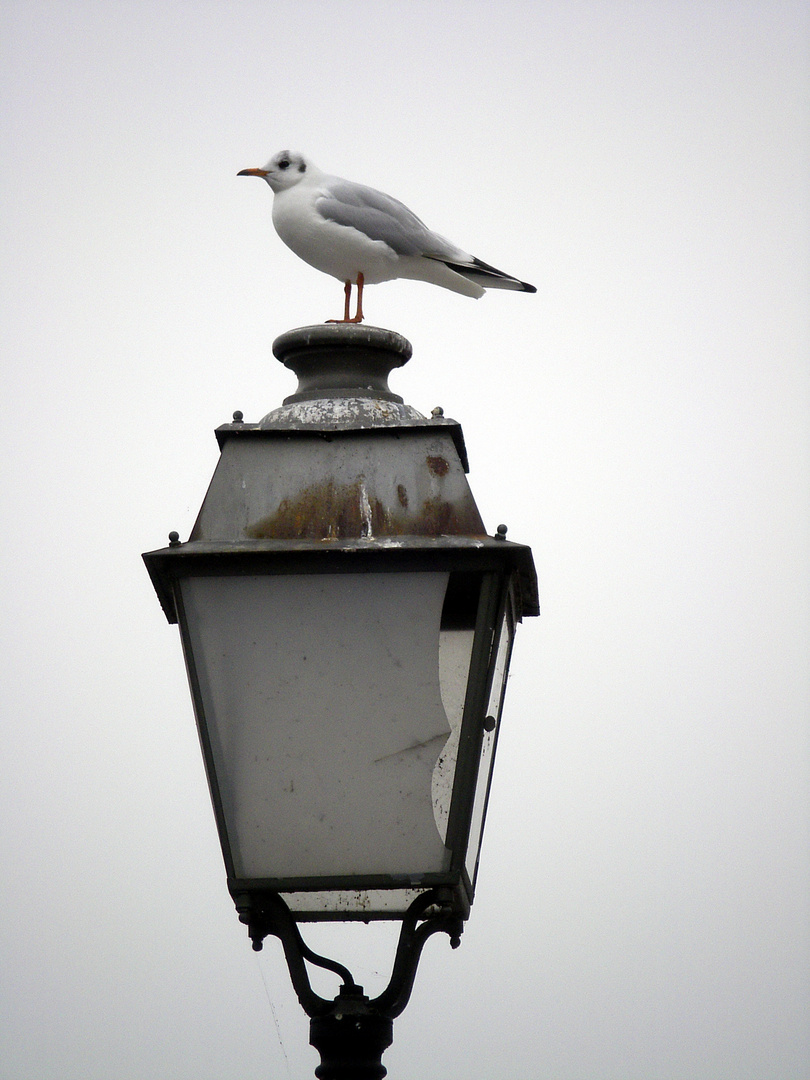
439	466
333	511
322	512
441	518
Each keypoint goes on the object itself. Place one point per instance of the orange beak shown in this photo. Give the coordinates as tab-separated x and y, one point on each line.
253	172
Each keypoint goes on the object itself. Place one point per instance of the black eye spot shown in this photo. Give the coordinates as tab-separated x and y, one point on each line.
284	164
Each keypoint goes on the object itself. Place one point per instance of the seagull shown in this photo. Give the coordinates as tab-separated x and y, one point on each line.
362	236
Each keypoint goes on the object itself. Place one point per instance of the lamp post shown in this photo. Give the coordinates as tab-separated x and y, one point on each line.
347	627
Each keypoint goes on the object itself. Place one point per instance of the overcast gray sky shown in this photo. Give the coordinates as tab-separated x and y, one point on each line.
643	908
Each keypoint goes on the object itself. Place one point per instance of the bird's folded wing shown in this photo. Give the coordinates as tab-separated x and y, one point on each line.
380	217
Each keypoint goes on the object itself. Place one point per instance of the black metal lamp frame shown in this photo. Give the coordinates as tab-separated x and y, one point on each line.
352	1032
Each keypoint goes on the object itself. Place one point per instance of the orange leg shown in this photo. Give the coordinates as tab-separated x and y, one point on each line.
359	314
347	293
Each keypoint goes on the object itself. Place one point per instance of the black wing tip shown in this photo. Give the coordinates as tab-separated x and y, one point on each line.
494	272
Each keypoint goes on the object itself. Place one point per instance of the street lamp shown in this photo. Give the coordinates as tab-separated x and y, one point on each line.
347	627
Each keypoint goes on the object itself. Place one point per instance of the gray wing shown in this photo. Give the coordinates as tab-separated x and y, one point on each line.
381	218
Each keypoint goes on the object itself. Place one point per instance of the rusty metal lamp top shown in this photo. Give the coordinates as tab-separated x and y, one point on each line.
330	479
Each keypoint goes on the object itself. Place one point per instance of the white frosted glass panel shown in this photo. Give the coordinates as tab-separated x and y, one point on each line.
455	651
488	747
345	903
324	710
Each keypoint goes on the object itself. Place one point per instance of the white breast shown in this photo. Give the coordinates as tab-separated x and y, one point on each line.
333	249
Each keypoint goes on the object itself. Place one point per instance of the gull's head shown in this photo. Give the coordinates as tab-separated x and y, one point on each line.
283	171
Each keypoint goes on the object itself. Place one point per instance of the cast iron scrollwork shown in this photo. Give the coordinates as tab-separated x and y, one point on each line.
352	1031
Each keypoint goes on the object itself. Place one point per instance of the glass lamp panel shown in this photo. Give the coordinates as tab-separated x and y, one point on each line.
340	904
321	697
455	651
486	760
455	654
